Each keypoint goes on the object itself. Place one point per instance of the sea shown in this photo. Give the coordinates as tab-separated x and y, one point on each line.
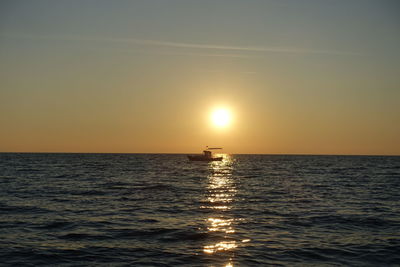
164	210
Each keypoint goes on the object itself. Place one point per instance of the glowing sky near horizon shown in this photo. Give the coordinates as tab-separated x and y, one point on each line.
303	77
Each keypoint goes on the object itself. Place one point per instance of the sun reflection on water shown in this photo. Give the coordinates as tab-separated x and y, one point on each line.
224	245
221	192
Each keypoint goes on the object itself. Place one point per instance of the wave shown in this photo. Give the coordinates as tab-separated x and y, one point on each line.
341	221
147	210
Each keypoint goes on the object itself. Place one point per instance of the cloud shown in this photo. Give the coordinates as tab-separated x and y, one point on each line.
234	48
193	46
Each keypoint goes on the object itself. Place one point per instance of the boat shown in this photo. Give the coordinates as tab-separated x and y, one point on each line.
206	156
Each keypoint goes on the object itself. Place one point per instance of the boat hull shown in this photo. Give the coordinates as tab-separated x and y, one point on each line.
202	158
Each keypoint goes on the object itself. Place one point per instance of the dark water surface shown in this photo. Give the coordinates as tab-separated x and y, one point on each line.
162	210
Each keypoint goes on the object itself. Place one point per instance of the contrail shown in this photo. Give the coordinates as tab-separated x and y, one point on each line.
197	46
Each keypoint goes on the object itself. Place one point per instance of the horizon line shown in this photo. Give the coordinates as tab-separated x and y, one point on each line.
186	153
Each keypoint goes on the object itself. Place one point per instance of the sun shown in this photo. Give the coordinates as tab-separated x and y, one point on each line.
221	117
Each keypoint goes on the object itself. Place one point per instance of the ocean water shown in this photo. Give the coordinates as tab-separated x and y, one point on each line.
162	210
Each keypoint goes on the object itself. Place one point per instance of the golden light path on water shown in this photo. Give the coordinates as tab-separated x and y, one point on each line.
221	192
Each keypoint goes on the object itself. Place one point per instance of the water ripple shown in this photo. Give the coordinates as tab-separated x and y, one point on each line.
161	210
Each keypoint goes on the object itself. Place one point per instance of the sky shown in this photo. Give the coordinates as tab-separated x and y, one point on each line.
297	76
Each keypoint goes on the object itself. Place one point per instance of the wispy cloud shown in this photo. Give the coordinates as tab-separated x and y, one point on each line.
222	71
184	45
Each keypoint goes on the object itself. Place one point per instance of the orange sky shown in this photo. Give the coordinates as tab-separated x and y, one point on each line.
138	77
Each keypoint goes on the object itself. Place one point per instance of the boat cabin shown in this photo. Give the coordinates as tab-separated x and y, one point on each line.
207	154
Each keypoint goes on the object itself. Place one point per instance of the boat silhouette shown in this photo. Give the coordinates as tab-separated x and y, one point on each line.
206	156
